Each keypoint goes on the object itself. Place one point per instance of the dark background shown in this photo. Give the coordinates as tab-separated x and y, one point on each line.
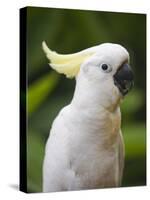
69	31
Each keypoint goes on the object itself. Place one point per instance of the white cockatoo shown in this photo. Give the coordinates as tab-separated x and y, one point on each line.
85	149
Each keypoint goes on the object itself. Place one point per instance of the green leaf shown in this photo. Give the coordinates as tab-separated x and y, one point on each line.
39	90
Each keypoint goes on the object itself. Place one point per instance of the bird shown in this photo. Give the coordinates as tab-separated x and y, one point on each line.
85	148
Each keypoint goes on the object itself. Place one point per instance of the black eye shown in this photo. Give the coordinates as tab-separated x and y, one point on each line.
106	68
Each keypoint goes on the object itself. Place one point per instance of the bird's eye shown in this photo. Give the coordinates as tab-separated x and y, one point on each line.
106	68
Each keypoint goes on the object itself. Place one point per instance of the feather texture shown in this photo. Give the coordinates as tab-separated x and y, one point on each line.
85	147
66	64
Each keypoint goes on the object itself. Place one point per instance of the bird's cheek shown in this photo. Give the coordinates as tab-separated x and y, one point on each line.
116	92
115	96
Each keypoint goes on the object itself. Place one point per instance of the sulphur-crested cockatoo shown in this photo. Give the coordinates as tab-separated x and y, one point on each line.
85	148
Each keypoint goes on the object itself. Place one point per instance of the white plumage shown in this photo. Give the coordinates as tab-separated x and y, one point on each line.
85	148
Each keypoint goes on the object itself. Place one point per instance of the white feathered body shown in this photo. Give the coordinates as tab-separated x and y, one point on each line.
85	149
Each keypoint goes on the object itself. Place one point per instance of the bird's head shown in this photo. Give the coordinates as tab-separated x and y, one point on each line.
105	67
109	66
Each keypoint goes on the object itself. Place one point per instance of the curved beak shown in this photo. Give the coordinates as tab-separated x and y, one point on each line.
123	79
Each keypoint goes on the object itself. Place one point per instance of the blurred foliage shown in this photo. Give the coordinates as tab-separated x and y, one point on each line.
68	31
39	90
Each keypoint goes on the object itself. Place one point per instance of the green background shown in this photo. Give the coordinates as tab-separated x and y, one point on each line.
69	31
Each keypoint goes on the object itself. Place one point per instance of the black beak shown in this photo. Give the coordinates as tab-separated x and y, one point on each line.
123	79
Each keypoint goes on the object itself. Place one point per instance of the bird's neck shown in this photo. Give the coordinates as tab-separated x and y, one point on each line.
92	110
92	97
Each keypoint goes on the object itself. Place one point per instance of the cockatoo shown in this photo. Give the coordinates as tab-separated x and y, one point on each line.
85	149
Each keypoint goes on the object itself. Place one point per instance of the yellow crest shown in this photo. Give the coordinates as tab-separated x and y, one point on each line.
66	64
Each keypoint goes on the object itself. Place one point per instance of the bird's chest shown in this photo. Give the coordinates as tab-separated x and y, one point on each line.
94	151
94	167
100	131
